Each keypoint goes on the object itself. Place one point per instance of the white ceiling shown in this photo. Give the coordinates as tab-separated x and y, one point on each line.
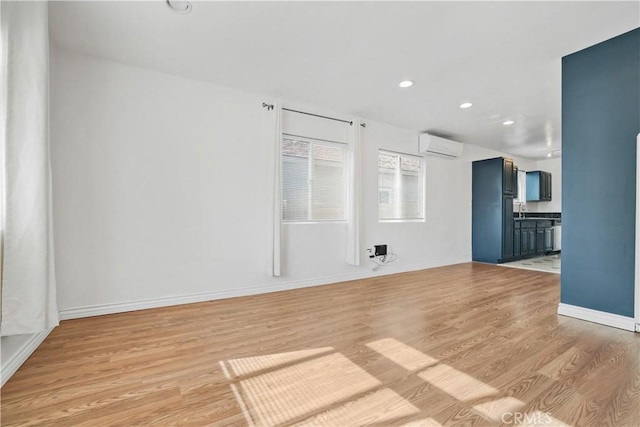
349	56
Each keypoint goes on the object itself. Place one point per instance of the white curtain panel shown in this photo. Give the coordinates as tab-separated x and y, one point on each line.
274	240
353	207
28	288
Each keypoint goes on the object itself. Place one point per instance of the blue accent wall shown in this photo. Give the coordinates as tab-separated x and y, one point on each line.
600	122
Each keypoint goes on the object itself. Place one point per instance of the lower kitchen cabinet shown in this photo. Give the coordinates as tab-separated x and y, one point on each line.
527	237
531	249
532	237
539	240
524	238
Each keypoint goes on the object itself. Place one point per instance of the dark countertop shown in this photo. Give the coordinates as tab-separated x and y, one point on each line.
539	216
544	215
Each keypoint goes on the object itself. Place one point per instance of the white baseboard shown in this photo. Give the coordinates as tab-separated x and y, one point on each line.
9	367
595	316
122	307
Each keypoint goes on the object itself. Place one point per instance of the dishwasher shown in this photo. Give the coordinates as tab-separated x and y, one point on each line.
557	236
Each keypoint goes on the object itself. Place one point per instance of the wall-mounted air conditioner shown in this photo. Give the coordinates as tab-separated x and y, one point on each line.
431	144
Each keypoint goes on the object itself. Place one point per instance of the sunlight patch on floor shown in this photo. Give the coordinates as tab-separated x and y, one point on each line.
288	393
456	384
381	406
425	422
225	371
495	410
314	388
407	357
242	405
250	365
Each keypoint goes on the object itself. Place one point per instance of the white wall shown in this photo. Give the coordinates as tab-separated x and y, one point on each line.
160	197
160	194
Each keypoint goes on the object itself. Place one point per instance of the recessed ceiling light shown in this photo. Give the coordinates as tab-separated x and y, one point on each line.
508	122
180	6
406	83
466	105
548	154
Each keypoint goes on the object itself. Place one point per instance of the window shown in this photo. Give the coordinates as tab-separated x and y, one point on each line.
522	187
313	180
400	186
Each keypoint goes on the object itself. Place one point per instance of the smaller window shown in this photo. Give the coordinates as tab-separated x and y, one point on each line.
400	186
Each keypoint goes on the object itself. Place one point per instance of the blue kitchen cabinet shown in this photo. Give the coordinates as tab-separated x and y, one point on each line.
538	186
517	239
494	184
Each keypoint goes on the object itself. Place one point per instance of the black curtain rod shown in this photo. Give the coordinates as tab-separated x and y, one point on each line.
270	107
318	115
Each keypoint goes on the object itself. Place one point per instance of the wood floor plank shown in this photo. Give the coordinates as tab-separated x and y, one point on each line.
456	345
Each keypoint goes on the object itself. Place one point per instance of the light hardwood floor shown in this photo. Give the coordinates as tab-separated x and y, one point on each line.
467	344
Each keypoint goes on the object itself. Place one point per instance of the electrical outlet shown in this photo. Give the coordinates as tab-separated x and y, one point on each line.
380	250
370	251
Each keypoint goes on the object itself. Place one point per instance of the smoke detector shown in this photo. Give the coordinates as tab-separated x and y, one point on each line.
180	6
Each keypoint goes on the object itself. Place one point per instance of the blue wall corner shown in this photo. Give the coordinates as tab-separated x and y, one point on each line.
600	122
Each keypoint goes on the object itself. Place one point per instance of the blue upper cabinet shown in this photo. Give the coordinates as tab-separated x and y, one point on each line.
538	186
508	173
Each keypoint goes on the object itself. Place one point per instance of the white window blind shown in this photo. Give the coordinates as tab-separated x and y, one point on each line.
313	180
400	186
